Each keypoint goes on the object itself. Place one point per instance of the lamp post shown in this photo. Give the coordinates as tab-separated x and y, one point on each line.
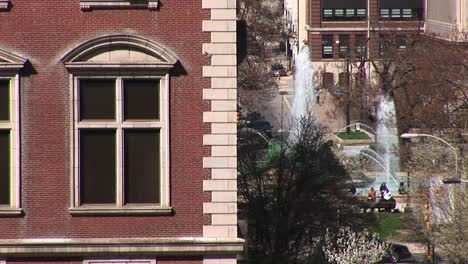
457	179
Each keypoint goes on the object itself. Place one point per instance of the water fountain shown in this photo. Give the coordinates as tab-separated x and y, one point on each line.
304	90
387	136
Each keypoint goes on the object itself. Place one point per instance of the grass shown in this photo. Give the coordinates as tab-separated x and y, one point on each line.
389	226
353	135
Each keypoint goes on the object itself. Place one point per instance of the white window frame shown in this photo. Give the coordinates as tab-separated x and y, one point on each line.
119	124
13	125
118	261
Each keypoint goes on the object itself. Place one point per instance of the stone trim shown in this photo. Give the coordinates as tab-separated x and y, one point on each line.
9	70
121	246
87	5
222	97
119	260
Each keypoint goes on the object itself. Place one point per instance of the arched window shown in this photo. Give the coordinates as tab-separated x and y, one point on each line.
10	67
120	105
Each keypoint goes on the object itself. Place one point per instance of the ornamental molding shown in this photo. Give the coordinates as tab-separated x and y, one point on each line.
120	52
195	246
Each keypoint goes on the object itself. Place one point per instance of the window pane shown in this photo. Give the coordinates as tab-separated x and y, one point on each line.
97	99
141	99
396	12
142	163
343	46
361	12
407	13
339	12
4	100
4	167
349	12
328	12
97	166
384	12
327	46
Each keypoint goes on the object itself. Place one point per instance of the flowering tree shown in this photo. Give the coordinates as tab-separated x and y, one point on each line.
443	209
349	247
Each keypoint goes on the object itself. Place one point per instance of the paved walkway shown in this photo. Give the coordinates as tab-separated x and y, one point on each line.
326	111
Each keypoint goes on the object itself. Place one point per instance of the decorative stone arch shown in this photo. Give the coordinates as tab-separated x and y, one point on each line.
120	51
10	68
11	62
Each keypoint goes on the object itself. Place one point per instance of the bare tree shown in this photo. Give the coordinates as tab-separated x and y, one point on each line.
289	201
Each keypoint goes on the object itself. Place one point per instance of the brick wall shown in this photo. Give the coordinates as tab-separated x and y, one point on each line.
42	32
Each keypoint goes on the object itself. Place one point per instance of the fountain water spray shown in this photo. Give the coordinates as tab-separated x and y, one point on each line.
304	90
387	134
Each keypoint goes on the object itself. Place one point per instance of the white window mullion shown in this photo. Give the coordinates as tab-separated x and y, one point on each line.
76	141
15	139
164	115
119	139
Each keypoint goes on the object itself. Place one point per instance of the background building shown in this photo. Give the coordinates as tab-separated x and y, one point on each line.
118	132
447	19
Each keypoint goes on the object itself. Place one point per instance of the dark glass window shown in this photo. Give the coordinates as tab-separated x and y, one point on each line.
97	99
141	99
97	166
327	46
401	41
344	46
383	44
361	46
344	10
4	100
401	9
328	80
141	166
4	167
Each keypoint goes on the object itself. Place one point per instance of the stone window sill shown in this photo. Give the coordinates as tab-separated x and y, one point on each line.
87	5
124	210
10	211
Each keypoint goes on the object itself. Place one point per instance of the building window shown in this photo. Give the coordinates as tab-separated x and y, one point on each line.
360	46
343	46
383	44
401	41
401	10
327	46
9	133
328	81
384	13
339	10
396	13
9	141
120	126
120	139
350	12
4	5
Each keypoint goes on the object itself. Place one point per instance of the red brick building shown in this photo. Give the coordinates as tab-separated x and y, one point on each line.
338	29
117	131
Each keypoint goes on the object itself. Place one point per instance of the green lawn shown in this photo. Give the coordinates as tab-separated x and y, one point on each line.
389	226
353	135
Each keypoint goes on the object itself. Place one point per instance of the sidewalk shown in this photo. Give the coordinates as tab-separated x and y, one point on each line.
326	111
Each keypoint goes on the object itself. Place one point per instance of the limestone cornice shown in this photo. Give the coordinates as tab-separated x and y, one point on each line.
128	246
